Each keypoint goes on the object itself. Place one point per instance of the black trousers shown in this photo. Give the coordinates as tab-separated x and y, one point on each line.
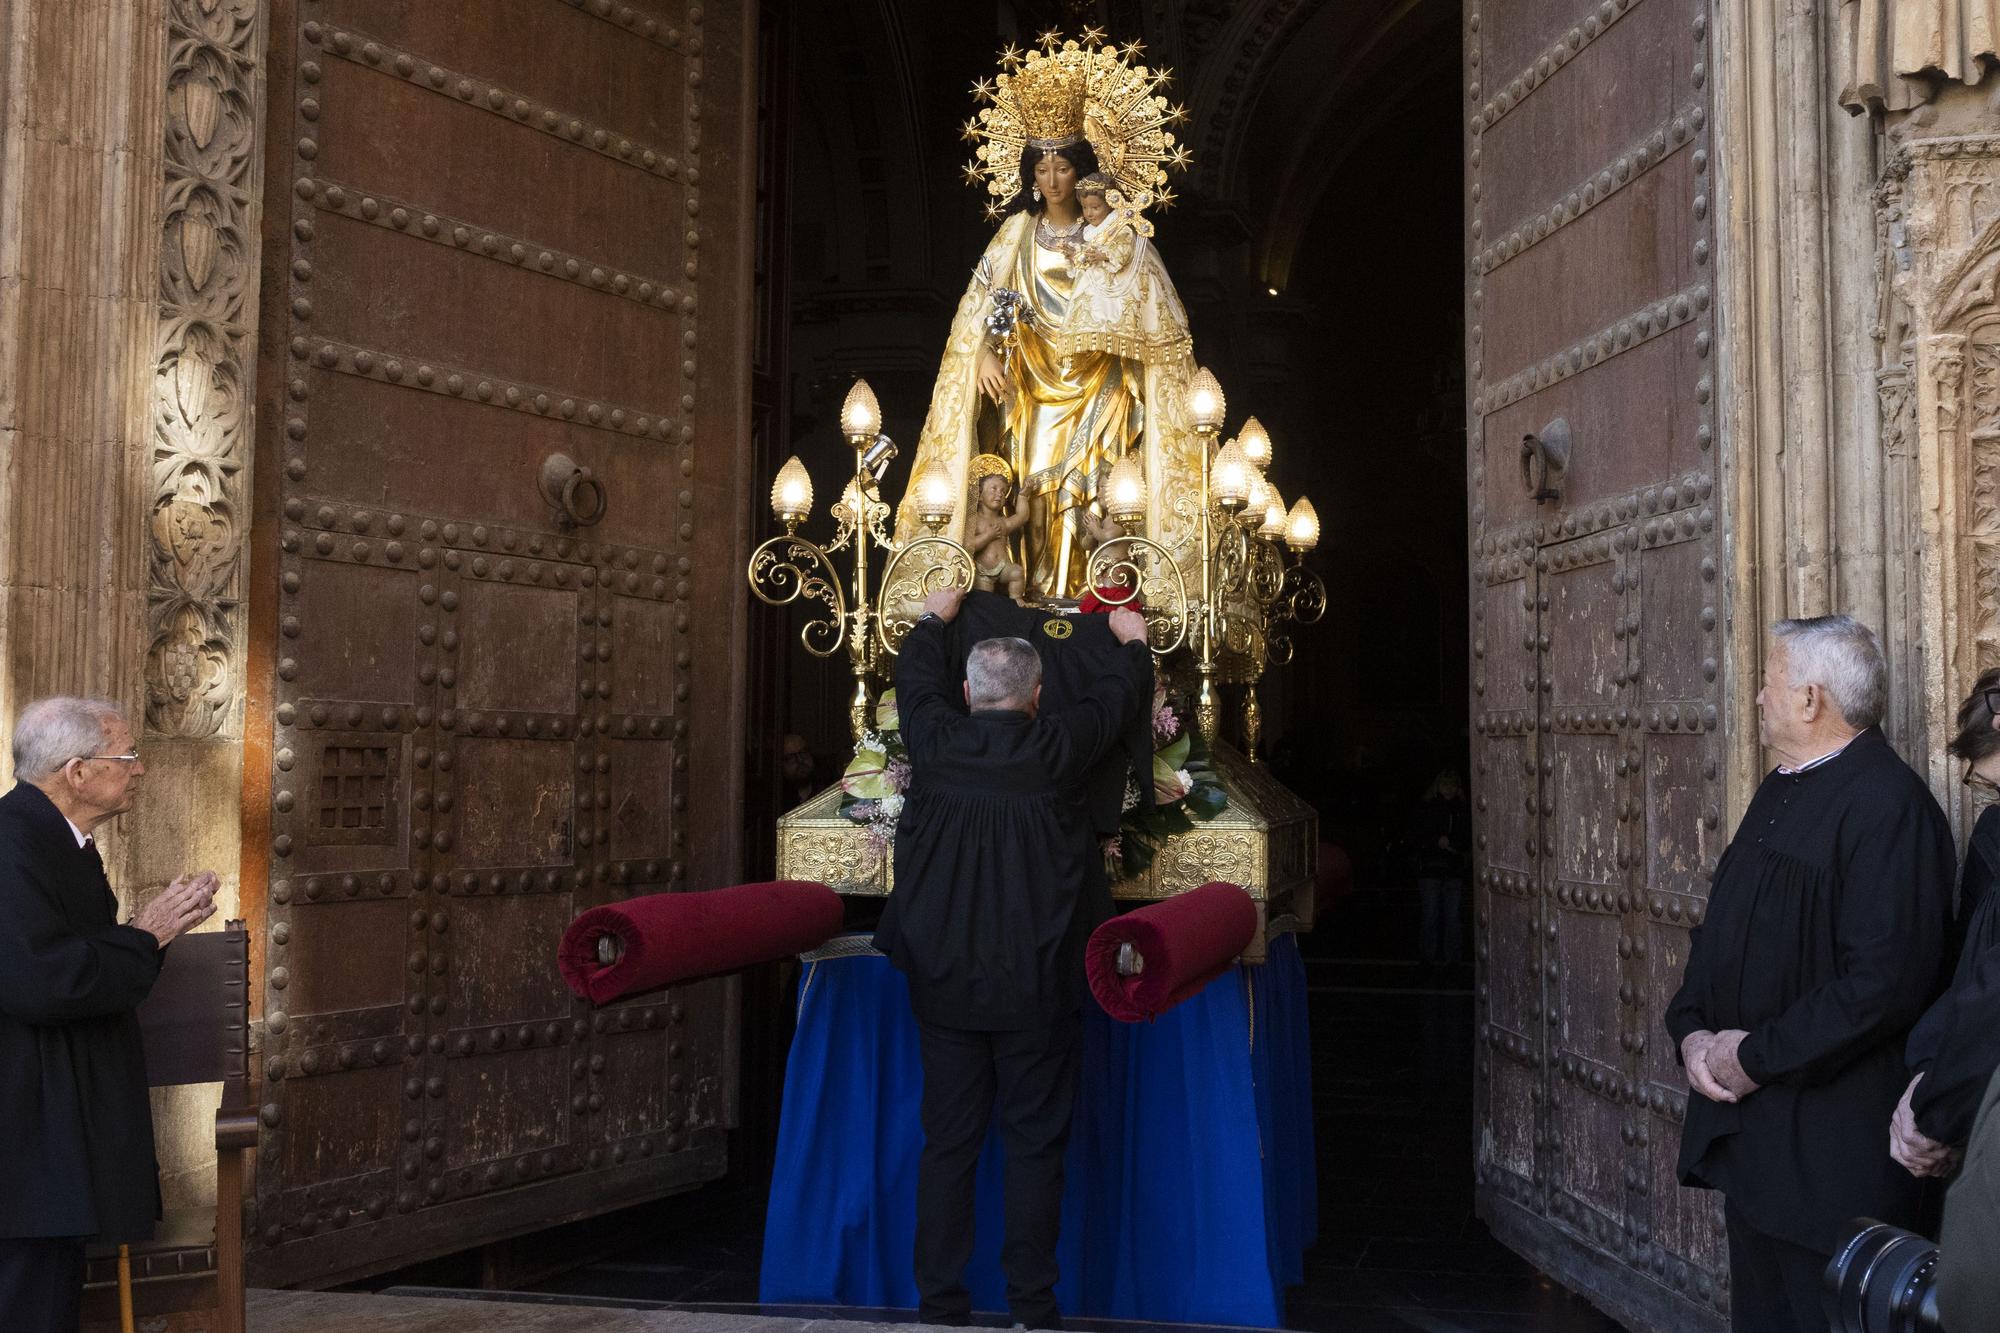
1774	1285
1028	1079
41	1284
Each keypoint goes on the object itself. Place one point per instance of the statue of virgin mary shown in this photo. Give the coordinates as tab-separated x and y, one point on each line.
1064	393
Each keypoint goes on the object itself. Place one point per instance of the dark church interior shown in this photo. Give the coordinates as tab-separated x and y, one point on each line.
1318	244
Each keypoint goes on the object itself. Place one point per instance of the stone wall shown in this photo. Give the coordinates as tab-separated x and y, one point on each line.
128	193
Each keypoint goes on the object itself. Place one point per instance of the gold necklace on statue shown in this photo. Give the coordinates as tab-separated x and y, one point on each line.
1065	241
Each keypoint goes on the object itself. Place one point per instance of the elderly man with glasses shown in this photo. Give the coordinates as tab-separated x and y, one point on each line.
78	1162
1824	940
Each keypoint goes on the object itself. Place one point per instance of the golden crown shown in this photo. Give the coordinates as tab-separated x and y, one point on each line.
1071	91
990	465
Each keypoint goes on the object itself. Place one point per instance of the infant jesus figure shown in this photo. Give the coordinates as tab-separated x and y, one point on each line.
990	527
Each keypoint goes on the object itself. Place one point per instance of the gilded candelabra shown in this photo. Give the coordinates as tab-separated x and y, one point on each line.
1249	591
870	621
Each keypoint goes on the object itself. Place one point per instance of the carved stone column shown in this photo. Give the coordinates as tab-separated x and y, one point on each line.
1939	390
128	261
80	169
1801	465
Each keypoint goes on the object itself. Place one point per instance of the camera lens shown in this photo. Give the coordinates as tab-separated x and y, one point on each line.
1883	1281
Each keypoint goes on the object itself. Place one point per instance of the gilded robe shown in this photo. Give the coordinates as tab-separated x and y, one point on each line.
1072	415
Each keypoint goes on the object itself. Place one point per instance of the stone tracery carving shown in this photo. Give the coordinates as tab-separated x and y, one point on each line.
1983	494
201	412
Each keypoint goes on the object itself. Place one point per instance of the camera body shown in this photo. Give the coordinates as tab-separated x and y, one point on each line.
1883	1280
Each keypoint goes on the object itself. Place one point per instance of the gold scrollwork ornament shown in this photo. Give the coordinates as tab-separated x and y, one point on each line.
788	569
922	567
1126	569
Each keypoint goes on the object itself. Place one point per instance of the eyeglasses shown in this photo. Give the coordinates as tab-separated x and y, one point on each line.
1992	698
1979	782
131	758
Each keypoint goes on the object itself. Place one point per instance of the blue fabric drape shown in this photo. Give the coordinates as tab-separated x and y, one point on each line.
1190	1194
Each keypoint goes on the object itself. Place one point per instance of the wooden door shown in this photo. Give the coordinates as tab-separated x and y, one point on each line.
498	232
1598	767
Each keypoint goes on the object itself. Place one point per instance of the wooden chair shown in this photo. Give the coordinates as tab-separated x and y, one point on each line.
196	1025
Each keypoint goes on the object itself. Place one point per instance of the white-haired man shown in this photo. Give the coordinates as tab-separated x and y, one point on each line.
1823	943
999	880
78	1164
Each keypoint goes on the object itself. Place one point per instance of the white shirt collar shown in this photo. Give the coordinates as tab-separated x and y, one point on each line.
81	836
1828	757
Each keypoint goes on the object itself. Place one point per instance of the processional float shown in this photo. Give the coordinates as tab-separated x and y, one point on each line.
1194	535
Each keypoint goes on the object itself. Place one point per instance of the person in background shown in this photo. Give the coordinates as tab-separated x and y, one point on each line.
1440	838
799	769
1968	1266
1824	941
78	1163
1955	1047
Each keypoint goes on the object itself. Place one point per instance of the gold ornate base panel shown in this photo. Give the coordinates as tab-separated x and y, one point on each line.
1266	839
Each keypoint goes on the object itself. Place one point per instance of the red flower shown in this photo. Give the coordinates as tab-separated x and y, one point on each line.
1109	599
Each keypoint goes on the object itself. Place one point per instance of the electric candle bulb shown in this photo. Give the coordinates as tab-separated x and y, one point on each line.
1302	528
1260	490
937	498
1128	488
1230	482
1274	514
1256	442
792	492
860	415
1206	405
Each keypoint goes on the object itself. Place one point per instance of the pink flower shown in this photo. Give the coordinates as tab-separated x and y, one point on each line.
898	774
1165	725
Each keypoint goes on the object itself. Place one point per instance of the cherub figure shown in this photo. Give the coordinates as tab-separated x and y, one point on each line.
990	527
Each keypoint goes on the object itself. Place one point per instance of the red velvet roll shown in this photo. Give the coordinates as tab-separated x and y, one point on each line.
668	938
1186	942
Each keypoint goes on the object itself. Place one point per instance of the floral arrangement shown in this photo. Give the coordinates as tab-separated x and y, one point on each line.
1185	788
1185	791
878	775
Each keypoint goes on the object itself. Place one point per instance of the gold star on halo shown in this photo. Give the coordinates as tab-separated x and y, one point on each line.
1050	39
972	173
1179	157
970	133
1132	50
1178	115
1091	36
983	90
1011	57
993	212
1165	198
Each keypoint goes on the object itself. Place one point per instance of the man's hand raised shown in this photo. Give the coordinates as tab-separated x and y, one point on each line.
944	603
185	904
1128	626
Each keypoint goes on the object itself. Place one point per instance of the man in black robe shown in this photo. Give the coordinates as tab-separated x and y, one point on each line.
1955	1047
999	881
78	1162
1824	941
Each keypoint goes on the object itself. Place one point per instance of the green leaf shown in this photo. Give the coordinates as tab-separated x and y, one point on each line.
866	777
1206	801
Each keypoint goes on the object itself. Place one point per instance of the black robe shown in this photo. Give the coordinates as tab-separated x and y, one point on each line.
999	874
1956	1045
1825	939
1071	666
78	1158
